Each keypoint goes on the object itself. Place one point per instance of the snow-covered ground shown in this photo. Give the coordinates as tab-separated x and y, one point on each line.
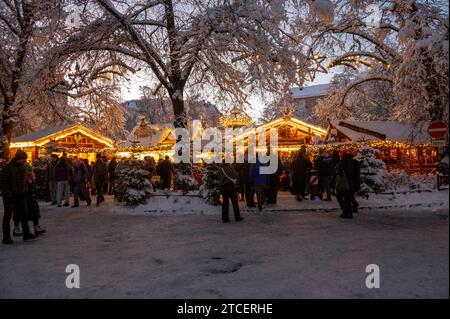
185	205
282	253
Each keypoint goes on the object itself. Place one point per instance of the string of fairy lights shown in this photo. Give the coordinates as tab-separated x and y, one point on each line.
350	60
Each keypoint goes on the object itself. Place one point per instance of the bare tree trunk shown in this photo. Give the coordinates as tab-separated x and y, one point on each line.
6	130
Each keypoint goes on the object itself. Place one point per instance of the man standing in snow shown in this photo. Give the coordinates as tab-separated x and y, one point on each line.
14	186
50	178
165	171
99	175
80	176
325	169
228	178
111	171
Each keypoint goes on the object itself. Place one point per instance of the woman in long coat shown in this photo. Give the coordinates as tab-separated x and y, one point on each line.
300	168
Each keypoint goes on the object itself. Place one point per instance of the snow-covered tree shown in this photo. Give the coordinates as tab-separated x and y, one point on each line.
225	49
373	170
210	190
403	45
43	56
132	182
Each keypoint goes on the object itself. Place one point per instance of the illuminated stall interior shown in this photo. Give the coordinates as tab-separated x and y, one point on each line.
75	140
402	145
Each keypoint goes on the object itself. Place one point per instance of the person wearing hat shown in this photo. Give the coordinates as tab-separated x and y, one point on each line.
14	186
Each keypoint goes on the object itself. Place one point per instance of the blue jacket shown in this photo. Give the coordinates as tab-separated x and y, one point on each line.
256	178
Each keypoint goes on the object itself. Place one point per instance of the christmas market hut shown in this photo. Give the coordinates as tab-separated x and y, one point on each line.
73	139
293	134
402	145
155	140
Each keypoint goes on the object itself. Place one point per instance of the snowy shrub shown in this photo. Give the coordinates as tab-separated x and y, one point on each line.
400	180
132	182
183	179
210	190
373	170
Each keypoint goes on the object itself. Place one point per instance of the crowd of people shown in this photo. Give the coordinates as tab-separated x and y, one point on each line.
325	176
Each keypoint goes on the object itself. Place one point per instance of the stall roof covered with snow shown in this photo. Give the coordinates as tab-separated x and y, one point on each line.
360	131
310	91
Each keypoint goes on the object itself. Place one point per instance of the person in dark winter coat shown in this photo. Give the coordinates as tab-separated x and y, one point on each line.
33	210
227	179
165	172
99	177
300	167
325	168
80	177
285	181
111	175
241	180
63	175
259	182
248	188
14	186
50	178
347	184
274	184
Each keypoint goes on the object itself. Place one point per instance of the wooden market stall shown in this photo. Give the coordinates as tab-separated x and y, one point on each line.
402	145
293	134
74	139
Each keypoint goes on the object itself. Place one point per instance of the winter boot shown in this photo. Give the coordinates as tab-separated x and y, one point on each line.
7	241
17	232
38	230
29	237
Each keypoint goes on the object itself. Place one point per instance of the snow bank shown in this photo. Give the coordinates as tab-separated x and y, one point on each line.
172	205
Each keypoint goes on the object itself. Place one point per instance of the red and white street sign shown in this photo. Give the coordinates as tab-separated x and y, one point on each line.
437	129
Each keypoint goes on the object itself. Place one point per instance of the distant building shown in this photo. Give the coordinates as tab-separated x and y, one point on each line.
304	100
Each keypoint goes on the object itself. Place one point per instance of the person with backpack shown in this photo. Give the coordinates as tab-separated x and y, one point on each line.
228	179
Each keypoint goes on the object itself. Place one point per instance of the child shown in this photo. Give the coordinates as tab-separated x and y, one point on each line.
285	181
33	210
314	182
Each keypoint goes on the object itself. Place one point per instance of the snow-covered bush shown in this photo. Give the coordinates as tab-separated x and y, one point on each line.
39	169
400	180
373	170
132	182
210	190
183	179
